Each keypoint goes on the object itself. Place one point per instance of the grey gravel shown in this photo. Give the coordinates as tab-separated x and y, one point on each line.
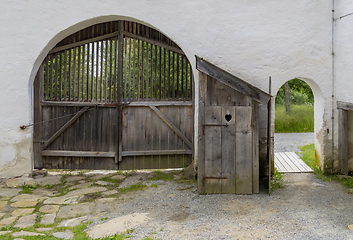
307	208
289	142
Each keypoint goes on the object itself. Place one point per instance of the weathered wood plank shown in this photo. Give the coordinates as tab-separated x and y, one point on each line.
343	140
255	142
344	105
231	81
156	152
63	128
213	150
243	150
172	126
228	149
38	117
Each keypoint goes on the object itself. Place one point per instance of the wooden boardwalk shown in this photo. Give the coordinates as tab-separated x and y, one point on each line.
289	162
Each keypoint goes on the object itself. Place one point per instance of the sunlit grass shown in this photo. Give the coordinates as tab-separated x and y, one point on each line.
301	119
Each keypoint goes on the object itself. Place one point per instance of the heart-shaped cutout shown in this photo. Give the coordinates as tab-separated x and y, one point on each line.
228	117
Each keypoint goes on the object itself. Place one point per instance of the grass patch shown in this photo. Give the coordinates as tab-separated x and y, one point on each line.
276	180
308	156
300	120
162	176
133	188
108	179
26	188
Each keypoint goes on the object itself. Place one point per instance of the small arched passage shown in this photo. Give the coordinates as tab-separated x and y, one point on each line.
318	117
115	95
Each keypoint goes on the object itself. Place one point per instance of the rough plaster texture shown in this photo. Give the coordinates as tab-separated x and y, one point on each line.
250	39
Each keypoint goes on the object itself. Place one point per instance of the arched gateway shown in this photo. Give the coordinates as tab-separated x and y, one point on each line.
115	95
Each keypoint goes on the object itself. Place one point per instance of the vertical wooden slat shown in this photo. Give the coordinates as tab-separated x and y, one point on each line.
79	63
178	77
126	69
168	92
164	73
243	150
133	69
173	84
87	90
65	76
74	75
213	149
120	87
151	73
115	70
129	69
83	74
38	117
160	74
60	67
138	70
97	70
111	70
228	150
101	71
182	78
147	68
142	71
155	83
255	142
48	81
106	72
70	76
92	71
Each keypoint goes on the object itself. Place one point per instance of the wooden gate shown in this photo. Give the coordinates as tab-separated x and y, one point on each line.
228	149
116	95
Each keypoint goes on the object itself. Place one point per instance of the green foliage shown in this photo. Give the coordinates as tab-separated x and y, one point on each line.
276	180
300	93
300	120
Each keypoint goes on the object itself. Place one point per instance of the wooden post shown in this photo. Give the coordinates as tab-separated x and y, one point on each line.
120	88
287	97
38	128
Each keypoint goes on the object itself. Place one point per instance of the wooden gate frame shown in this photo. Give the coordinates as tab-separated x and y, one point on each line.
40	147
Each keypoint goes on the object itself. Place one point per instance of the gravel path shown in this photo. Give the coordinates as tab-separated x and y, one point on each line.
289	142
307	208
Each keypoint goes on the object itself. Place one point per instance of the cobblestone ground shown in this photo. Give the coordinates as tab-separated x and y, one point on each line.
155	205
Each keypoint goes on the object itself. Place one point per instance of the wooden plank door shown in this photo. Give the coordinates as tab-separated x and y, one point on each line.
228	150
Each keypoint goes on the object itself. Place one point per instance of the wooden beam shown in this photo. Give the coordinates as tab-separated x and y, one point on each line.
59	153
345	105
156	152
161	103
163	45
63	128
172	126
76	44
232	81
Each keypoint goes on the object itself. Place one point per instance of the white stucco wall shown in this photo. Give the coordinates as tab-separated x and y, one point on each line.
253	40
343	49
